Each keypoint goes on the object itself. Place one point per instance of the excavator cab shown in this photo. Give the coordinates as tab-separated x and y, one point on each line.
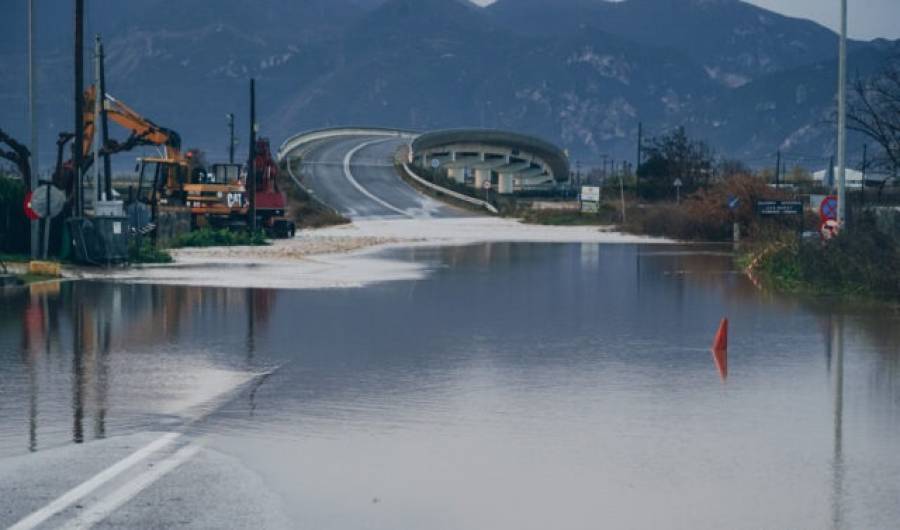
161	180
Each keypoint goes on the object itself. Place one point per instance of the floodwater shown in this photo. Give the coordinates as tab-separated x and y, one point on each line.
516	386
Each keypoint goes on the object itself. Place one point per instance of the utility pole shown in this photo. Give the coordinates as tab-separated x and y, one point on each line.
78	141
230	118
865	164
32	116
830	173
637	166
103	122
98	105
778	169
251	169
842	119
864	169
622	194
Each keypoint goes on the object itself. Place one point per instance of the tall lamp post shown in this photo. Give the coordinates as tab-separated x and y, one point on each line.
32	116
842	119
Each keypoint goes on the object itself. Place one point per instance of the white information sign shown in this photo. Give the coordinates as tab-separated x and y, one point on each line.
590	194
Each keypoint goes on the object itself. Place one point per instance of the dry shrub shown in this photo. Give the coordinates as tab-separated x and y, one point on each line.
704	215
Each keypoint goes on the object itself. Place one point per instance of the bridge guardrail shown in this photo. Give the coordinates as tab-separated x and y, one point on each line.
295	141
459	196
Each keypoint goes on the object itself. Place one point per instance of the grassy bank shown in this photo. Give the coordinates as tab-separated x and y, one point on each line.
145	252
857	264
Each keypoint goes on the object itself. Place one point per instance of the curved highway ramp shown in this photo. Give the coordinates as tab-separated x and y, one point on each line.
355	175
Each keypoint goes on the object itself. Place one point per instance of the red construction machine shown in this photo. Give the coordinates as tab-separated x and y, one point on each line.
271	202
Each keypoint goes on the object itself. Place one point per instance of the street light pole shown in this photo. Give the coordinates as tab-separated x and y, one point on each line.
230	118
842	119
32	116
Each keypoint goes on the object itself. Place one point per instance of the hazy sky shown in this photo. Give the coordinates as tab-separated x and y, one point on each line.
867	19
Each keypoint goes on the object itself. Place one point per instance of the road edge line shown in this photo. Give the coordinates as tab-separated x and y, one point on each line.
349	176
116	499
87	487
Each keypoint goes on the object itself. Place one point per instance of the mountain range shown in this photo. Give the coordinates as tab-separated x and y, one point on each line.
580	73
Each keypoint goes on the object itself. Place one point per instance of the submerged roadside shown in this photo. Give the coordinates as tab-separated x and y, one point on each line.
345	255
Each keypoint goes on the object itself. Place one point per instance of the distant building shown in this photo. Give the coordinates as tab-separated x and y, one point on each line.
854	178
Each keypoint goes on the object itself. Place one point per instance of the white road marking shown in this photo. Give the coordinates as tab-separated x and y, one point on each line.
349	176
112	502
87	487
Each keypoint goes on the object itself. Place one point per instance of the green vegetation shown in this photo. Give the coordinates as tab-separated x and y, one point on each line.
15	258
29	278
675	156
861	263
145	252
211	237
14	231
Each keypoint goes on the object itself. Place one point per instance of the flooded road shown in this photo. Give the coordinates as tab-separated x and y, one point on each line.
516	386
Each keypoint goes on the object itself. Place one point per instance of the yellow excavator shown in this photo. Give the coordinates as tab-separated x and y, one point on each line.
175	180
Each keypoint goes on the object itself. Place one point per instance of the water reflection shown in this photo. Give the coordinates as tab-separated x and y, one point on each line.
585	365
83	332
836	345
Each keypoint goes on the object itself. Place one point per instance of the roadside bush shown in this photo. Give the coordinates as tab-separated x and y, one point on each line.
211	237
704	215
14	226
143	251
861	262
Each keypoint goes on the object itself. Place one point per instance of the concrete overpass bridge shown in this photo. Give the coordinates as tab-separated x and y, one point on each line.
352	169
509	161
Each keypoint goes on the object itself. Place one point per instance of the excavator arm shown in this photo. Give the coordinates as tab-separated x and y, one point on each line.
144	131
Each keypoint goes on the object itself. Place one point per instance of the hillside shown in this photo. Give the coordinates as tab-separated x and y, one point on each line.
582	74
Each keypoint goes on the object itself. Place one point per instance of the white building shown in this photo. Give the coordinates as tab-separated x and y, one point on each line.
854	177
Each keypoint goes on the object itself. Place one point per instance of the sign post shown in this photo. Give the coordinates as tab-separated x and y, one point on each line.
733	203
771	208
781	208
829	223
590	199
677	185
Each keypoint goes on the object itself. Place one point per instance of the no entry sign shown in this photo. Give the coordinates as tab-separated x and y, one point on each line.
828	209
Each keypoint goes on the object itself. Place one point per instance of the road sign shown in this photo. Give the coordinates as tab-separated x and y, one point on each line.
26	206
590	193
828	208
733	202
779	207
45	201
677	183
486	184
435	163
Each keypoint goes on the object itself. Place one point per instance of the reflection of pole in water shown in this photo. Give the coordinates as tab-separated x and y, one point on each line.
30	356
101	380
78	373
637	264
251	325
836	344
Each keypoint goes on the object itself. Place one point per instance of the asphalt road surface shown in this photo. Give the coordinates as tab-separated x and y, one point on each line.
355	175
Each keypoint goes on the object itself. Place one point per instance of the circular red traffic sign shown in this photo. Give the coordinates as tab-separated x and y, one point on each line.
29	212
828	210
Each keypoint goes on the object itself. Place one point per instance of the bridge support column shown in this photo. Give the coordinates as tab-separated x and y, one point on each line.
482	175
457	174
505	183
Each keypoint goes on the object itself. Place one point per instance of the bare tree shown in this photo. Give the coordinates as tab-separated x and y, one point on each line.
875	110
